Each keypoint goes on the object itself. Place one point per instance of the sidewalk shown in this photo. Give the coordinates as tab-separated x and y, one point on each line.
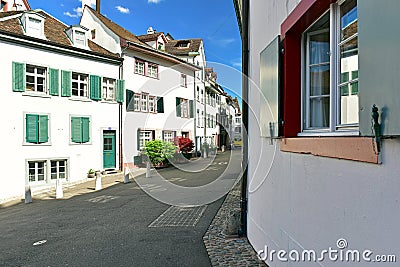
80	188
227	251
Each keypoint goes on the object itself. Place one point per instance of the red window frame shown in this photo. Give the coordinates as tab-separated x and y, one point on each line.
292	29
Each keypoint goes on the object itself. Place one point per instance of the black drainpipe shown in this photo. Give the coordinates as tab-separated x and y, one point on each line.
245	114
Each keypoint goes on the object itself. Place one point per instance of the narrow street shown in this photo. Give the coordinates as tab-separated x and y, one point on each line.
121	225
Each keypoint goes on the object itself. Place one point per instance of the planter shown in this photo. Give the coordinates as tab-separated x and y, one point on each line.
91	175
187	155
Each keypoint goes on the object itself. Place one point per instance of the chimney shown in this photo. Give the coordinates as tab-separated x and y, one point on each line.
98	6
150	30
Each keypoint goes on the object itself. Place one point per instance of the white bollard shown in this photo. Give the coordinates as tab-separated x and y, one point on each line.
126	177
148	175
59	189
28	194
98	181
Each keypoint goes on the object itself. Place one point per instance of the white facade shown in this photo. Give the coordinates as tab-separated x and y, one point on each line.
301	201
78	157
165	81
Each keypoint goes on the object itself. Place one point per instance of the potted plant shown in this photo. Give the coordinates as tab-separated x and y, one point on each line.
91	173
159	152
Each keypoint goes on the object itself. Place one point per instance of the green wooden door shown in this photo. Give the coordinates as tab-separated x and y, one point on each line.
109	159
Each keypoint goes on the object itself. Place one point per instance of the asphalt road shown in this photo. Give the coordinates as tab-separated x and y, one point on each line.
111	227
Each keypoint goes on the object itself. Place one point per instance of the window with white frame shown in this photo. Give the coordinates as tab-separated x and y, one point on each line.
331	71
185	108
108	89
58	169
36	79
139	67
198	94
136	102
198	118
80	38
183	80
152	104
144	102
145	136
169	136
202	97
152	70
34	27
36	171
79	84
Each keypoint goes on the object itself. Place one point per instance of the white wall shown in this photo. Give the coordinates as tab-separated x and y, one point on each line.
104	36
166	86
298	201
81	157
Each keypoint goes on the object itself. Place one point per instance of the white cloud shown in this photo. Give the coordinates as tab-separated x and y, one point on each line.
124	10
77	13
222	42
91	3
237	64
153	1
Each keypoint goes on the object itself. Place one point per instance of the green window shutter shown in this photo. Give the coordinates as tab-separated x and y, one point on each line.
85	129
54	82
76	130
120	91
178	107
129	97
18	77
43	128
160	104
95	87
66	83
32	129
191	108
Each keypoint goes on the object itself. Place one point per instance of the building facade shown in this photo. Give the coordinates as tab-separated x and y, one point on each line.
322	159
160	86
65	115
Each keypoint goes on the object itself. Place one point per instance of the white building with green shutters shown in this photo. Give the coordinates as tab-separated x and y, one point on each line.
159	86
63	96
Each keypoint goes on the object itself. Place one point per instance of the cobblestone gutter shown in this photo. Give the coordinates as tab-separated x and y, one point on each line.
229	251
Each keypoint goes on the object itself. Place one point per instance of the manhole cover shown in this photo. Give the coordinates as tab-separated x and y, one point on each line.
179	216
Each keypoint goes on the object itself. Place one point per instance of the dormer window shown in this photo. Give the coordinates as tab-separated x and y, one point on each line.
33	24
183	44
80	38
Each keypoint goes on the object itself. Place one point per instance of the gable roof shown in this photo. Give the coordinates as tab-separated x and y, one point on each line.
150	37
54	30
173	47
118	30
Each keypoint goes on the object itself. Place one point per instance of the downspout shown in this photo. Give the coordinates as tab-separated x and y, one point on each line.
245	113
121	68
120	111
195	108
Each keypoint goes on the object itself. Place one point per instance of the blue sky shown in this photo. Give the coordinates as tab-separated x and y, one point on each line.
212	20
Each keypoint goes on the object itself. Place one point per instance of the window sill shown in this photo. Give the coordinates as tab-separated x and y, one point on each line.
350	148
81	99
80	144
109	102
36	94
327	133
33	144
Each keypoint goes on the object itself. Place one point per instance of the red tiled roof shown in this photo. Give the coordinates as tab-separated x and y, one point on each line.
54	30
118	30
149	37
173	46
